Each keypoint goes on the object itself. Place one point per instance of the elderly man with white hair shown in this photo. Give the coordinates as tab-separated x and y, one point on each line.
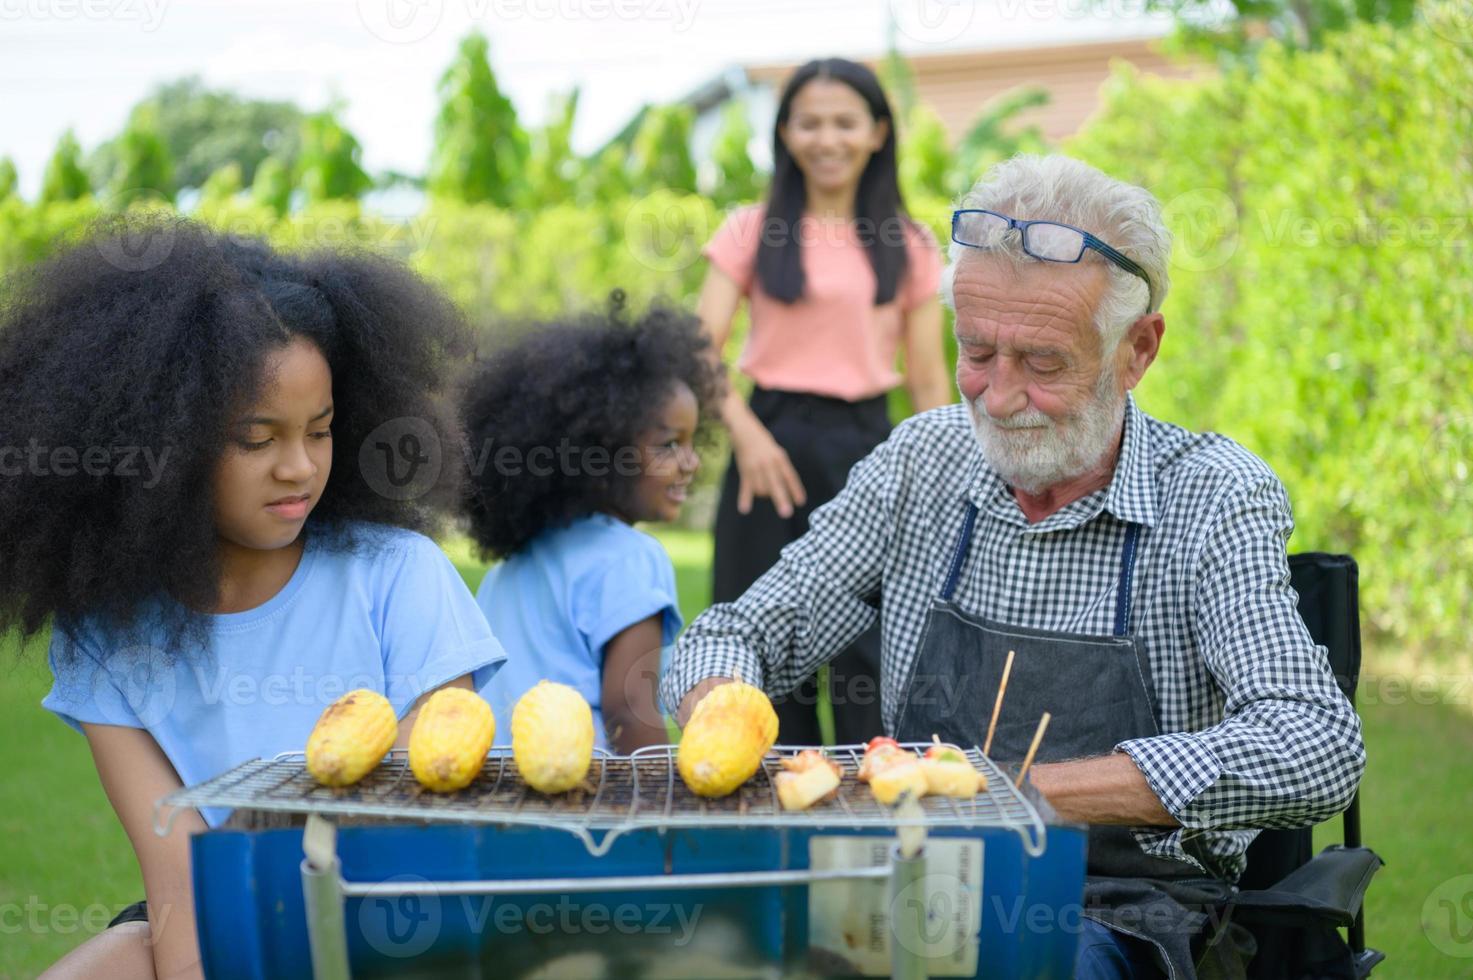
1138	570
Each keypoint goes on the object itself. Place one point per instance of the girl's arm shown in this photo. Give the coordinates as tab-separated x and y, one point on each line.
763	465
631	674
926	377
135	773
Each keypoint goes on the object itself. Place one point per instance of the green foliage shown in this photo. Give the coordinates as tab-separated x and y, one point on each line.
734	178
328	168
480	154
144	169
65	179
659	157
272	187
554	171
9	180
1203	29
928	165
222	185
925	161
607	177
205	130
1320	300
994	135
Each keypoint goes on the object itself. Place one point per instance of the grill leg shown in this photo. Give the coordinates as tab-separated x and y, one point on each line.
907	916
322	893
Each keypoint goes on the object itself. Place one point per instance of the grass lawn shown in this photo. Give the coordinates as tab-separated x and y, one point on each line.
65	863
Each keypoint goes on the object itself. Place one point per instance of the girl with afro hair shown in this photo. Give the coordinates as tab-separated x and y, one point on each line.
577	431
195	497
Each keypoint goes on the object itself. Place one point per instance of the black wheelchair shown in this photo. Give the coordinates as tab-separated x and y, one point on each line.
1293	901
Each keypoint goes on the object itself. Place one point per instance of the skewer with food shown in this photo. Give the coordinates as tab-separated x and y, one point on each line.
950	773
891	771
807	778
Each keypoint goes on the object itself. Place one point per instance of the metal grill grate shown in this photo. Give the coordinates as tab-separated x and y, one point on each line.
621	794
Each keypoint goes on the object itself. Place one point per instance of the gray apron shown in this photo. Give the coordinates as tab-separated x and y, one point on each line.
1100	692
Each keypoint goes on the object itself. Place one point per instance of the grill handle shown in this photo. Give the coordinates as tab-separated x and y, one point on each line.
611	883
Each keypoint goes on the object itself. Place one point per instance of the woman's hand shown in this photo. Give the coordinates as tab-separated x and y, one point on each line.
763	468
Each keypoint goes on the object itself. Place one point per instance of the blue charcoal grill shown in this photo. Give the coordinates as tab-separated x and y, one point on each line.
631	875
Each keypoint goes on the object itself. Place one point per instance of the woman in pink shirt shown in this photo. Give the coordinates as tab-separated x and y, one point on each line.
837	279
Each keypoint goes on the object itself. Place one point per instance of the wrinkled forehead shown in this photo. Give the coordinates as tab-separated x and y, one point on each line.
999	300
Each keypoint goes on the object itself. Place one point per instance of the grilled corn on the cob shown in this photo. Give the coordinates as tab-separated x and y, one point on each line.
451	736
743	697
351	737
552	737
720	749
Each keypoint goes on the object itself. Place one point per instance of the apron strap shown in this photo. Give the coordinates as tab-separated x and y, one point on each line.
1127	570
963	542
1122	594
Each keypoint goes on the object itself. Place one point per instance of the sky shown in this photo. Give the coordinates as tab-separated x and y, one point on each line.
82	64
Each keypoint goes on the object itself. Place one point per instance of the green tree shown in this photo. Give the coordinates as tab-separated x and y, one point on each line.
735	179
328	168
205	129
144	165
222	185
1320	296
9	180
553	169
65	180
925	159
480	153
659	157
994	136
1237	30
272	187
606	178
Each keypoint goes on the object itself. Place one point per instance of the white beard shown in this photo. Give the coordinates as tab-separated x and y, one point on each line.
1033	452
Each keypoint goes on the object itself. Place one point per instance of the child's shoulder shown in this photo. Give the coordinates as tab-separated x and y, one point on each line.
363	546
605	540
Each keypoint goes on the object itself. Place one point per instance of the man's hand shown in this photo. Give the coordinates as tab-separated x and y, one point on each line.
694	695
1107	790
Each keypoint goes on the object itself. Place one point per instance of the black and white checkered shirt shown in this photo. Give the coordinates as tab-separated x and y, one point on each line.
1257	734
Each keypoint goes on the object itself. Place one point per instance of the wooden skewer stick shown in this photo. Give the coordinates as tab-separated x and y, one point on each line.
1033	749
1007	669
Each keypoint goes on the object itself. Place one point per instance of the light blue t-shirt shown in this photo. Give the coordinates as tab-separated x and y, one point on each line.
393	616
558	602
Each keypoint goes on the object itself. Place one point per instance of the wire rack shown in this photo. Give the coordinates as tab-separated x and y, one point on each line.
621	794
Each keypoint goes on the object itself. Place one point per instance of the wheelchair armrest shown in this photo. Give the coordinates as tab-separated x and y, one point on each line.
1328	888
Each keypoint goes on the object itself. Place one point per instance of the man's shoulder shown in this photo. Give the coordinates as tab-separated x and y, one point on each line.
949	424
942	438
1181	456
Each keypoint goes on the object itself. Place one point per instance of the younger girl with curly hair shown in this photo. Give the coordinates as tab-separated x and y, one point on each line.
579	430
205	610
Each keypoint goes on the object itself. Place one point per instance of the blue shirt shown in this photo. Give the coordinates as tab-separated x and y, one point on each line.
561	599
392	615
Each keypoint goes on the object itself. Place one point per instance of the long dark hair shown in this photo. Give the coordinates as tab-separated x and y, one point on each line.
878	208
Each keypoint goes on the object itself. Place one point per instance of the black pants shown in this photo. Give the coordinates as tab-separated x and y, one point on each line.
824	438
